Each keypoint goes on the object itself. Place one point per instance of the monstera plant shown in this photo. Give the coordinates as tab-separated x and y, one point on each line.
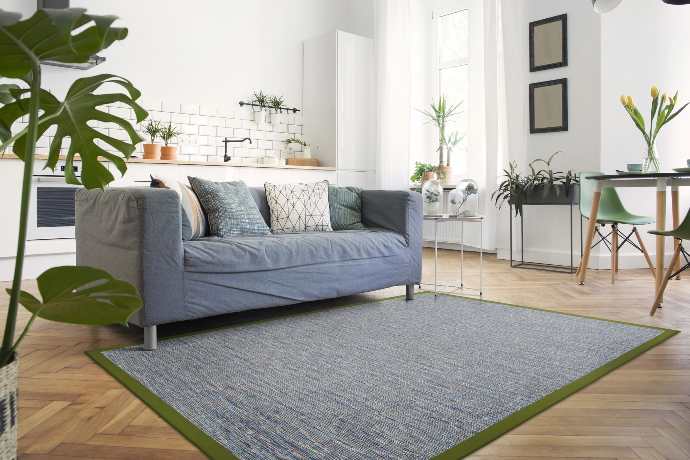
80	295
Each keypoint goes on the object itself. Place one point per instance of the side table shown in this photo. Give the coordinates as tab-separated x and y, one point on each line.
444	218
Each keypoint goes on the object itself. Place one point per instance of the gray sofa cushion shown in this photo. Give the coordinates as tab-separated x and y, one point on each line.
247	253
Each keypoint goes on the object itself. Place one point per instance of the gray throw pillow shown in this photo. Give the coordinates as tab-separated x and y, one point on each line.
229	207
346	208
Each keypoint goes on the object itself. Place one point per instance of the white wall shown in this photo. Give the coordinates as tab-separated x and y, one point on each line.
214	51
644	43
546	231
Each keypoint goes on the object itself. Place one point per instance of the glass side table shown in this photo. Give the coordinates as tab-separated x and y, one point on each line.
444	218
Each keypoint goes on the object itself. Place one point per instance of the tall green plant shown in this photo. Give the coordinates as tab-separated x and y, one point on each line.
439	114
81	295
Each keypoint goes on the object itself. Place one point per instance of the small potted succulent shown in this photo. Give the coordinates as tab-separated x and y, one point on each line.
168	133
261	102
276	104
306	149
152	151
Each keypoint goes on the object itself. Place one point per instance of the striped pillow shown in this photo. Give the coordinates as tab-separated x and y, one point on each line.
346	208
194	223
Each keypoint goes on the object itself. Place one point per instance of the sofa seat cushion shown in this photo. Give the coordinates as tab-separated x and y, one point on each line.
273	252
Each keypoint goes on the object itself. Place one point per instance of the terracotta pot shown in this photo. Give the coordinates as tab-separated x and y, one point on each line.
152	151
445	174
169	152
429	175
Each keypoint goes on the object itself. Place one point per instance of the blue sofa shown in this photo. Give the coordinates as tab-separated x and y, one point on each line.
136	235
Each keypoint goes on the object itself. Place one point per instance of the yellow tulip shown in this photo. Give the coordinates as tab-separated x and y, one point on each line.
655	92
630	102
624	101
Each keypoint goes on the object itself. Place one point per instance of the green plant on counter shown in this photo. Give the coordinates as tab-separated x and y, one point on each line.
295	140
81	295
515	187
153	130
168	133
260	99
276	103
419	170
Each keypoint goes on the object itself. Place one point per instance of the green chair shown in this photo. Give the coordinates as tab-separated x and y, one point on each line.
612	212
681	233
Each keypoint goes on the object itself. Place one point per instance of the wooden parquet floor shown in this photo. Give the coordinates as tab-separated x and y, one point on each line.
70	409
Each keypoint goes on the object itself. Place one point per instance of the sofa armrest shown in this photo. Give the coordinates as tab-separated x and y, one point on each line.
136	235
401	212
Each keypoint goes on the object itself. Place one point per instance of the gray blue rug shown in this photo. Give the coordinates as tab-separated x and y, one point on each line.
434	377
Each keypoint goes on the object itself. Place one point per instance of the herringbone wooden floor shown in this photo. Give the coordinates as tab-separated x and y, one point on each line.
70	409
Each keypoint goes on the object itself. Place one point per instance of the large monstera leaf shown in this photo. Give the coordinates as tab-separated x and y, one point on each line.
66	35
82	295
78	118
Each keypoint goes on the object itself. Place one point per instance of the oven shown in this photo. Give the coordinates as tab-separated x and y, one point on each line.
51	212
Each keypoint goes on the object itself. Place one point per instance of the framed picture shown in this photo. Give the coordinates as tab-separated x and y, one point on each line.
548	43
548	106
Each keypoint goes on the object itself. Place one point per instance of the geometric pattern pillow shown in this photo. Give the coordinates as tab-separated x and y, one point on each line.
230	208
346	208
297	208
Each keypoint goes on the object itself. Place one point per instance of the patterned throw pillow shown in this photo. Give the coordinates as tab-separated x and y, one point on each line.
194	224
299	207
230	208
346	208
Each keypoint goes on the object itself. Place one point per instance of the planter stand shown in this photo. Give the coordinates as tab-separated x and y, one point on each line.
570	201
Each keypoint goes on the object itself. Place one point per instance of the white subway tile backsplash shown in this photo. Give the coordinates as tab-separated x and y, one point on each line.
239	132
207	130
206	109
225	132
179	118
207	150
192	109
199	120
170	107
265	145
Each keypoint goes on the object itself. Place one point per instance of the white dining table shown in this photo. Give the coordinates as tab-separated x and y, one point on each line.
661	182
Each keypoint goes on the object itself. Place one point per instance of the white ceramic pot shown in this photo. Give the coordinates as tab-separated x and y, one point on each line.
306	152
260	117
8	410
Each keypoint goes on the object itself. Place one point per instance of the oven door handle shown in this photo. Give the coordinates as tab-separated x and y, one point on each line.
51	178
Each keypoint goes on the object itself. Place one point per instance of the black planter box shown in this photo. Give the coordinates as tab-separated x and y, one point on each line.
556	194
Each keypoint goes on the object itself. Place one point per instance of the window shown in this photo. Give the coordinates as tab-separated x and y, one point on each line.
452	72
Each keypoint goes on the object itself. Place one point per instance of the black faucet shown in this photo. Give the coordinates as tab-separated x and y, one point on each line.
227	157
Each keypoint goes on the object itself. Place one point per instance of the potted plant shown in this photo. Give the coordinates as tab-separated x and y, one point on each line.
152	151
292	141
276	104
439	114
540	186
661	113
423	172
168	133
81	295
261	102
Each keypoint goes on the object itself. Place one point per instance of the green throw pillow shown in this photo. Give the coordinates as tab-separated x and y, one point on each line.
346	208
229	207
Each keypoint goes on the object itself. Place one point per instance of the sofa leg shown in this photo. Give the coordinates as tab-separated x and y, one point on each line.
409	292
150	338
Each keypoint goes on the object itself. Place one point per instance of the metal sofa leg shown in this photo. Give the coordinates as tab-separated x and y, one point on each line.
409	292
150	338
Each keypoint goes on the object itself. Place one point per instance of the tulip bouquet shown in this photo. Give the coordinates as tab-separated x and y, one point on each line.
662	112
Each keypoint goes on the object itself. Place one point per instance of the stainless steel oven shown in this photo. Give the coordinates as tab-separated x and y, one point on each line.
51	213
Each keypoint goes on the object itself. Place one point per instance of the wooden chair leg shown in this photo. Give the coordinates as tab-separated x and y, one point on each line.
644	251
614	252
664	281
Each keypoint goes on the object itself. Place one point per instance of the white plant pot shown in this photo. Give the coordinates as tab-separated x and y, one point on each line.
8	410
260	117
277	118
306	152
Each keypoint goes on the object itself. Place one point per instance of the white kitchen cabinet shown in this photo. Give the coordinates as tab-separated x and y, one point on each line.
338	104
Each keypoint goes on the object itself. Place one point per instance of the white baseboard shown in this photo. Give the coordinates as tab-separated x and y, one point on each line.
35	264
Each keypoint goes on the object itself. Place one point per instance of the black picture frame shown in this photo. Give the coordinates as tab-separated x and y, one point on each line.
563	19
533	129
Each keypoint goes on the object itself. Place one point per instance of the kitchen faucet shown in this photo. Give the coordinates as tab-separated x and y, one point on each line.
227	157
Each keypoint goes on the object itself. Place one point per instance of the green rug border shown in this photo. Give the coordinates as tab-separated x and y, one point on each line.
216	451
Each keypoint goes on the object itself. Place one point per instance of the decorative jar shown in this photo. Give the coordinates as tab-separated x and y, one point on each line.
432	196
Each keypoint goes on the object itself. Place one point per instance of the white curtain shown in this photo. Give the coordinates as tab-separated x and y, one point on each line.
393	80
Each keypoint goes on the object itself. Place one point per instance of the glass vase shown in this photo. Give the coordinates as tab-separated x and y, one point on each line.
432	196
464	199
651	163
